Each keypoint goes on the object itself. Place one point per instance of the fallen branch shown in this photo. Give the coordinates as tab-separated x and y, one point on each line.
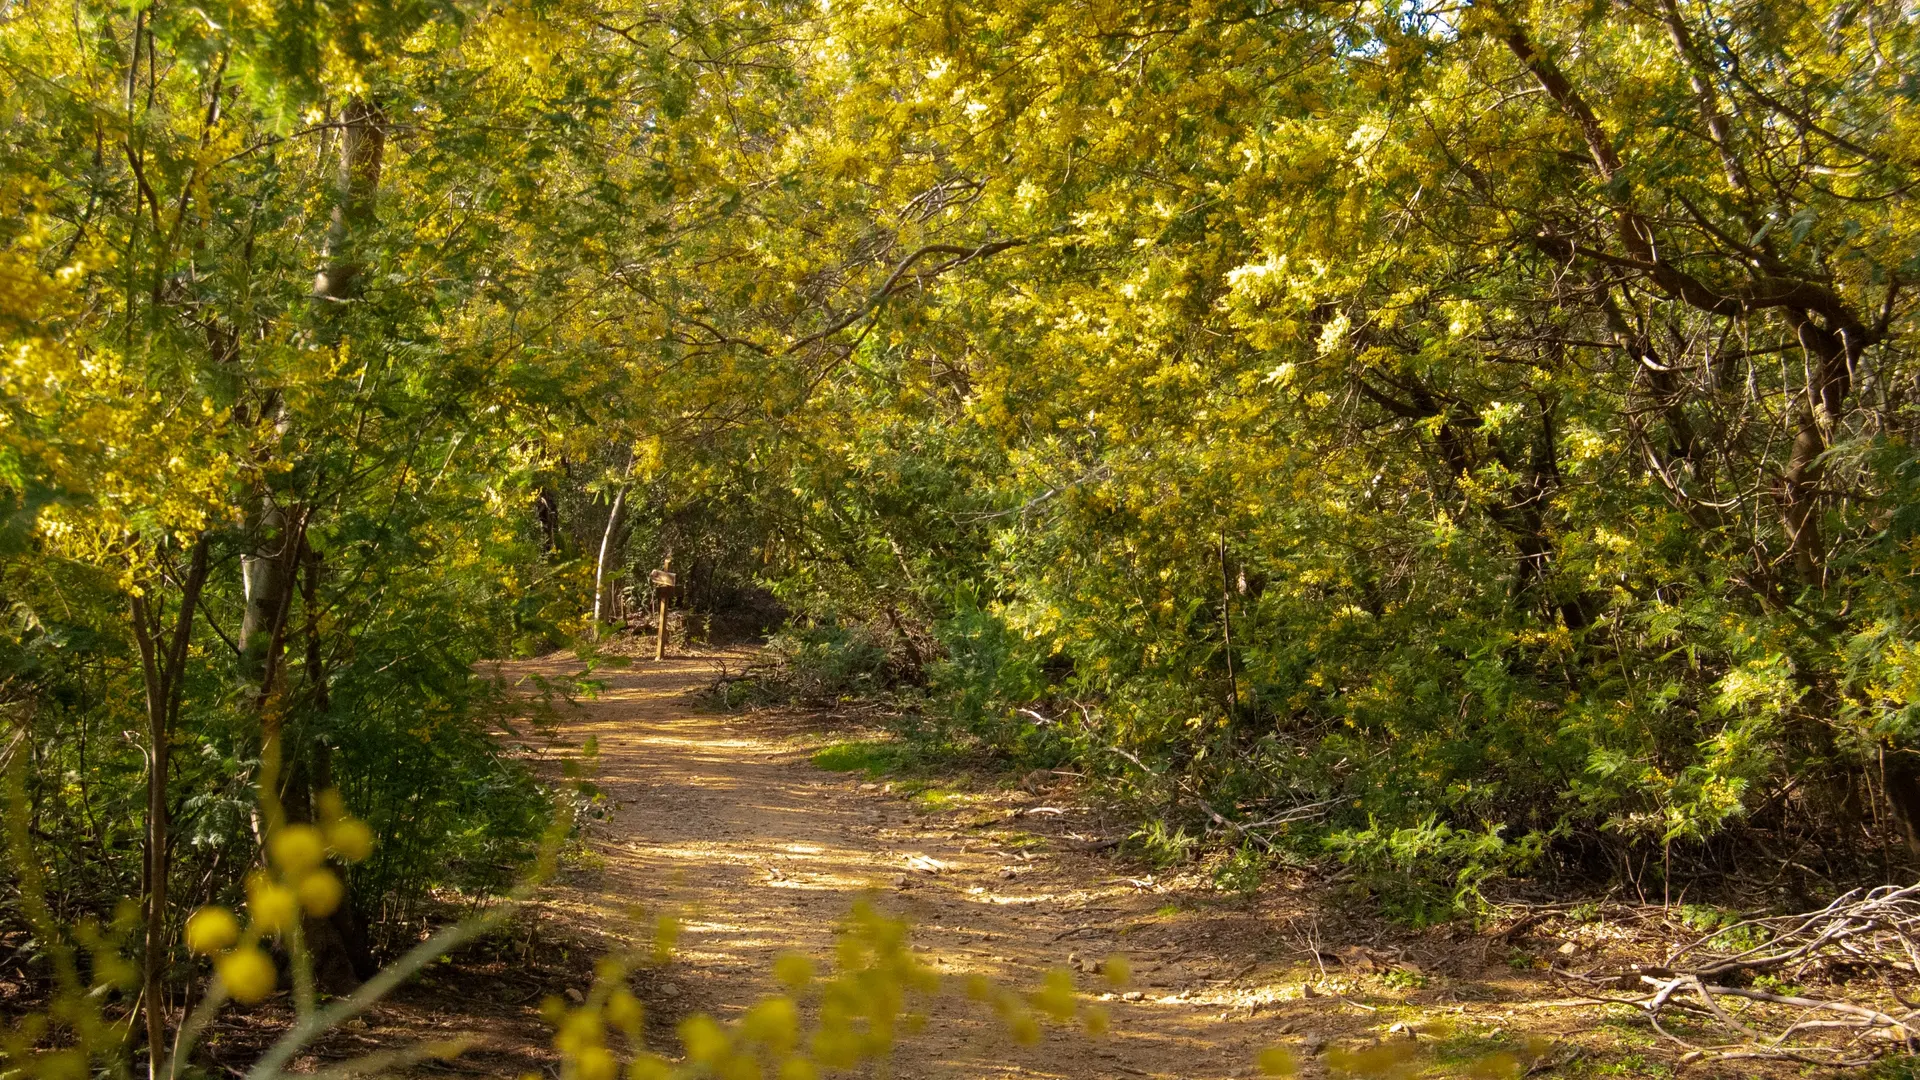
1873	929
1303	812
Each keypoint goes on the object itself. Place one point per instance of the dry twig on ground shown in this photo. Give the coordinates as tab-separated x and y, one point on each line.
1861	948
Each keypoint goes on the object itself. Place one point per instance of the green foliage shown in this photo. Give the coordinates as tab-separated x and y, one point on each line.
1896	1067
1458	436
1402	979
1240	872
1704	918
449	807
987	671
1430	872
1481	420
1164	844
1724	929
823	664
990	685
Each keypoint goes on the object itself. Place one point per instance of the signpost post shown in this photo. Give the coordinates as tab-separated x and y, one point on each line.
664	582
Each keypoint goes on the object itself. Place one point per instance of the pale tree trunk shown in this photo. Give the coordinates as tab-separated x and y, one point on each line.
263	583
600	564
268	570
363	144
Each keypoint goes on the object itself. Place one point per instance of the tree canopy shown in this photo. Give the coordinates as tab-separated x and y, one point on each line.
1477	436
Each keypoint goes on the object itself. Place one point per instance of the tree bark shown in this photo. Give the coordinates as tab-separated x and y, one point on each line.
1226	633
342	956
546	509
163	662
363	143
337	944
263	584
1833	331
600	564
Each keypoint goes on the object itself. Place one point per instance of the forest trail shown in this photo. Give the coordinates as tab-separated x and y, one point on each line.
725	819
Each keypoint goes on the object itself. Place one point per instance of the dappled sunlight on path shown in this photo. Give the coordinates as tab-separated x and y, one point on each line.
761	852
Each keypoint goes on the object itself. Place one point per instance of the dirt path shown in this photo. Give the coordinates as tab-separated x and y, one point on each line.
728	821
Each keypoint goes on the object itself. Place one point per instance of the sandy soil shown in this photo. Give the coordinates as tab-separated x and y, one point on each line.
724	818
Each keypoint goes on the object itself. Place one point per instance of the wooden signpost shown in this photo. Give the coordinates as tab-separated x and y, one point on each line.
664	582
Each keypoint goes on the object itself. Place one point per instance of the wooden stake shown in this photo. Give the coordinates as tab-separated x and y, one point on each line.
663	582
660	643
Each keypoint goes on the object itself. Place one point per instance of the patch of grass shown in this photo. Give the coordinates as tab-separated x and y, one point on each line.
1467	1047
908	764
875	757
935	800
1402	979
895	757
1627	1027
1773	984
928	796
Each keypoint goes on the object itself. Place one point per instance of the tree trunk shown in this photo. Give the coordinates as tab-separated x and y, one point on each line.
546	509
363	143
271	579
341	954
316	671
1226	633
914	658
336	945
163	662
1900	776
263	584
600	565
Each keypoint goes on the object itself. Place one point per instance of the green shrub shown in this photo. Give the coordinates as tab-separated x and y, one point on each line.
1164	844
988	672
821	664
1431	872
1241	871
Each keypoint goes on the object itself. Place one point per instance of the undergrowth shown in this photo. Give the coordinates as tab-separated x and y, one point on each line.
988	702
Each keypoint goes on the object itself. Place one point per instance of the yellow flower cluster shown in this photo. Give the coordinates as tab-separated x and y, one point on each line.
581	1034
296	881
857	1012
1056	1000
